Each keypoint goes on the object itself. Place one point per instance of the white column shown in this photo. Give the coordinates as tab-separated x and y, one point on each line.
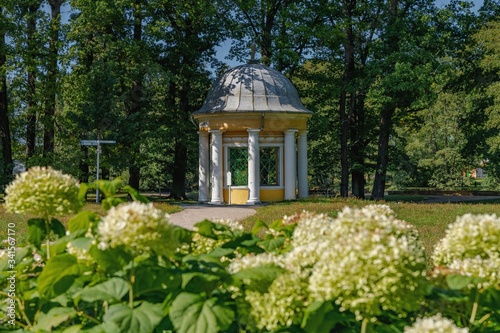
217	179
302	165
204	166
253	166
290	164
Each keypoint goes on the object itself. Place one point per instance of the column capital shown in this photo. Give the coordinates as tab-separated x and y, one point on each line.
216	131
253	130
291	130
301	132
203	133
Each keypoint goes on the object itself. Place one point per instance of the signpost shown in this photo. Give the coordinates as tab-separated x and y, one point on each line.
98	144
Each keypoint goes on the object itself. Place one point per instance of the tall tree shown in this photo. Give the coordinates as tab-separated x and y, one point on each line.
5	135
30	10
52	77
189	31
405	69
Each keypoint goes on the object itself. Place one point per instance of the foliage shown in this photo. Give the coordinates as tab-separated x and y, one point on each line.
221	278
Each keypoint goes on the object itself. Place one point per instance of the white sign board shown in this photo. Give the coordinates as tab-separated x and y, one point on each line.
95	142
229	180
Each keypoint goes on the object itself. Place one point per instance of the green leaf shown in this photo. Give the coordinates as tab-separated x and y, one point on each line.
111	202
60	245
81	221
111	290
192	313
57	228
257	278
36	231
53	318
110	187
144	318
458	282
258	226
73	329
20	254
136	196
82	193
273	243
58	275
206	228
111	259
156	282
320	317
200	282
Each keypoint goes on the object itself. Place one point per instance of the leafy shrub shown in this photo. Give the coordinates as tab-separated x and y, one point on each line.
132	271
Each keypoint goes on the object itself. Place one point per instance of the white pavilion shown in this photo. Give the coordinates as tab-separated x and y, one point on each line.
252	138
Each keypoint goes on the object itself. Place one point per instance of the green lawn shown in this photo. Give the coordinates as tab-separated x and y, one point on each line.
430	219
21	226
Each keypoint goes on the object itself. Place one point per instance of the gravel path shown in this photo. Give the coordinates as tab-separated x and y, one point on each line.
192	214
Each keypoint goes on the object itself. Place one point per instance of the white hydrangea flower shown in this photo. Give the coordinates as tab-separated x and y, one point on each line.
435	324
43	191
310	228
254	260
282	304
373	263
471	247
142	227
366	260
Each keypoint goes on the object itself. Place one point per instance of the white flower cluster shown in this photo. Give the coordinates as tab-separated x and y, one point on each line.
471	247
435	324
282	305
44	192
141	227
373	263
365	260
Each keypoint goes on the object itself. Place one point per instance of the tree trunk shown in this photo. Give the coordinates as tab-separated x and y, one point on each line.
31	98
386	114
383	153
84	166
134	176
347	77
357	148
4	114
180	150
135	107
344	162
179	172
50	101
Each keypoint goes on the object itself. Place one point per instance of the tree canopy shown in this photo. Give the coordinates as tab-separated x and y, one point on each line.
404	93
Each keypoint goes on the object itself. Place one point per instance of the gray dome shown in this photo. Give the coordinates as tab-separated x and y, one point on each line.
252	88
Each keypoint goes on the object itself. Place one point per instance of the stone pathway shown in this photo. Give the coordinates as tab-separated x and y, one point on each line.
192	214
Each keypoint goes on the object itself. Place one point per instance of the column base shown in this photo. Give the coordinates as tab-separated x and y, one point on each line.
253	202
215	203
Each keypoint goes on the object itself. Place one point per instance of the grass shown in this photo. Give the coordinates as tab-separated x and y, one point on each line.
431	220
21	225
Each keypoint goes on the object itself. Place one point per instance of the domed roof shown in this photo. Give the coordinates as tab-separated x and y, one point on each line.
252	88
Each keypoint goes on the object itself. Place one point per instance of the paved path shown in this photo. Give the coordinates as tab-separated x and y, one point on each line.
458	198
192	214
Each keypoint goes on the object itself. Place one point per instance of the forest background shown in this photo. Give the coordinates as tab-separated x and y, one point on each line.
405	93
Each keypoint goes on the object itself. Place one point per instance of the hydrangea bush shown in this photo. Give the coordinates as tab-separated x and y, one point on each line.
132	271
43	192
